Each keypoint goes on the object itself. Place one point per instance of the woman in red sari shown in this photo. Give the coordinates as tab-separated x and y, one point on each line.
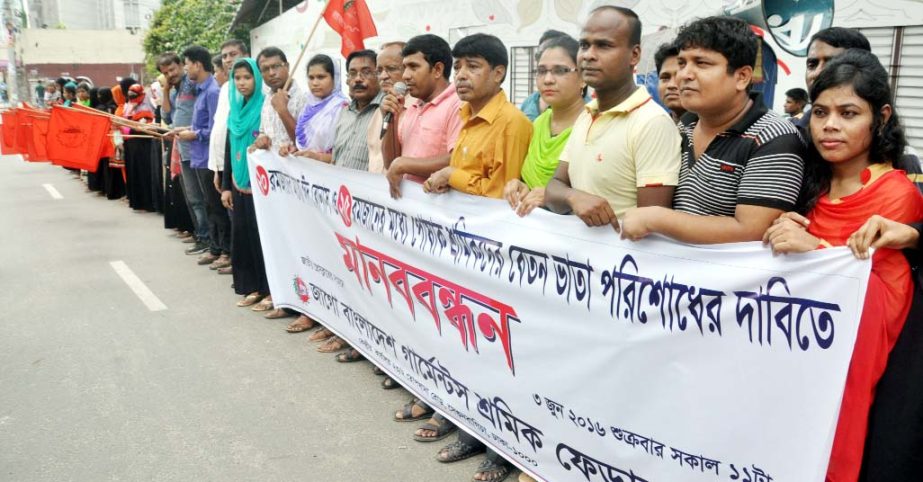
849	178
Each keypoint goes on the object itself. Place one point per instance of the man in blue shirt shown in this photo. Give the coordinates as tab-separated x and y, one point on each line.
178	103
198	65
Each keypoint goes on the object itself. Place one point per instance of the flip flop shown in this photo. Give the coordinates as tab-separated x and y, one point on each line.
320	335
443	428
389	383
332	345
407	411
263	305
278	313
459	450
350	356
498	466
296	327
249	300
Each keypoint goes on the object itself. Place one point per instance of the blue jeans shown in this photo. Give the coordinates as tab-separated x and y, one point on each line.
195	199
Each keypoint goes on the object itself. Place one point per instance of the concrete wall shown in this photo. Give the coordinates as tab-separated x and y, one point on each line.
49	46
102	75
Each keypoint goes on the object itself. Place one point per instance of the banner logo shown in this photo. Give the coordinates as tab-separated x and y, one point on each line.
262	180
345	205
301	289
792	24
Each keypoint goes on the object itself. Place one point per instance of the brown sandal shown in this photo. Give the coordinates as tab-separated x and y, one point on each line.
332	345
320	335
264	305
303	323
277	313
251	299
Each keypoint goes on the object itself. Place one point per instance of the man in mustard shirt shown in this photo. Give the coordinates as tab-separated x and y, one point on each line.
490	150
624	151
495	135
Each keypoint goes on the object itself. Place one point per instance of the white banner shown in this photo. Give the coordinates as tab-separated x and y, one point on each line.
575	354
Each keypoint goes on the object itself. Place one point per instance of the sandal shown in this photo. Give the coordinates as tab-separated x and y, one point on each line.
443	428
459	450
303	323
377	371
277	313
320	335
264	305
350	356
497	469
389	383
249	300
334	344
406	413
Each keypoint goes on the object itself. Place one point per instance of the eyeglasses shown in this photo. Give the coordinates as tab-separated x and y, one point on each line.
391	69
555	71
366	74
270	68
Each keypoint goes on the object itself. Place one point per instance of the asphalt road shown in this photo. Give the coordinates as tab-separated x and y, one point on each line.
95	386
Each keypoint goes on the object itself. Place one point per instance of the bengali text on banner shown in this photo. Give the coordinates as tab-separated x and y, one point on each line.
575	354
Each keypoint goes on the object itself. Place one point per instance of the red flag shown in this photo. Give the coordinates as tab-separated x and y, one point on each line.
9	132
75	138
353	21
37	151
23	133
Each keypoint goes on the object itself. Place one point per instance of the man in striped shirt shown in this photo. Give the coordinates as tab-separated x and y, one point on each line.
350	147
741	164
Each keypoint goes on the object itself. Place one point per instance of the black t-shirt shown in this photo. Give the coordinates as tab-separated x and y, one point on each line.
758	162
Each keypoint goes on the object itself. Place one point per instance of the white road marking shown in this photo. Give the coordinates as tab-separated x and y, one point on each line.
54	192
147	297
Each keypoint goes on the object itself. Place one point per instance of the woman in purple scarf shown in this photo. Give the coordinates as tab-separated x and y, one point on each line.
316	127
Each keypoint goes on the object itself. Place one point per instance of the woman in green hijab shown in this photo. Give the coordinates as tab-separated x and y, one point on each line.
562	88
246	98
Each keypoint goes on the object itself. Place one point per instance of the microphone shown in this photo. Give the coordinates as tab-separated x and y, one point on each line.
400	90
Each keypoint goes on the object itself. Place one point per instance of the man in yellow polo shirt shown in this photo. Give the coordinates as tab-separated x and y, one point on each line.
490	150
495	135
624	151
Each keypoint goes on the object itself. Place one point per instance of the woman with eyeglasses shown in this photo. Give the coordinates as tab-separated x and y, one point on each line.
563	89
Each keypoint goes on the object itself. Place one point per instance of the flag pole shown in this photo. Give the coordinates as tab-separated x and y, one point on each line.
140	126
304	49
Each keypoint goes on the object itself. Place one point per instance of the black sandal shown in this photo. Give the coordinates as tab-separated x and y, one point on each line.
459	450
443	428
499	467
407	411
378	371
389	383
350	356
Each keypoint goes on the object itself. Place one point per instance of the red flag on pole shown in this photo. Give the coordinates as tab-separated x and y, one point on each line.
37	151
353	21
23	133
9	132
75	139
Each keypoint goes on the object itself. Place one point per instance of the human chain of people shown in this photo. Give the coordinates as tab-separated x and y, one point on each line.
591	175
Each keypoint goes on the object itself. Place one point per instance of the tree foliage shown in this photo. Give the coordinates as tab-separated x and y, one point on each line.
178	24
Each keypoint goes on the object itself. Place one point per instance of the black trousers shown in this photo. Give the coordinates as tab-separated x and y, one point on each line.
219	224
894	445
249	268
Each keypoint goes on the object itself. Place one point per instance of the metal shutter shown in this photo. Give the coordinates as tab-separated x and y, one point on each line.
909	95
522	84
900	50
